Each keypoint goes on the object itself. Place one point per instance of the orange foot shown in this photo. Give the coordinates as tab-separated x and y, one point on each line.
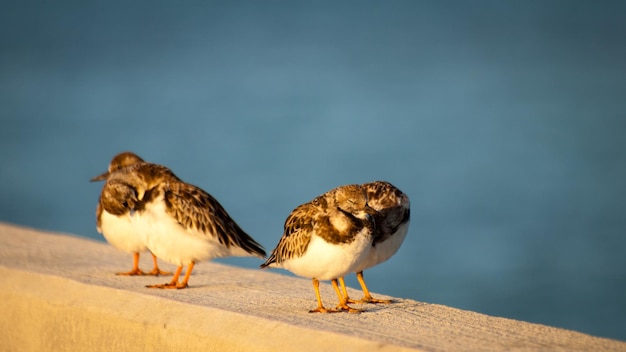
169	285
373	300
134	272
174	283
157	272
347	308
322	310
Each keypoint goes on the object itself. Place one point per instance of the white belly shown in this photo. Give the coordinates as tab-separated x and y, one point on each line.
324	261
385	250
120	233
169	240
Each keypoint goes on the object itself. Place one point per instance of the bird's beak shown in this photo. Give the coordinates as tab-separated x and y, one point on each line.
101	177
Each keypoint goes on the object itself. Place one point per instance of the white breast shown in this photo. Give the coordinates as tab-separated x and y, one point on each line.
166	238
120	232
384	250
325	261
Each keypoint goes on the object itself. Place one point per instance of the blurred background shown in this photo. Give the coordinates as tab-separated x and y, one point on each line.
504	121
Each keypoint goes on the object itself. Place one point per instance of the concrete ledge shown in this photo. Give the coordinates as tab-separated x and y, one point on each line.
59	293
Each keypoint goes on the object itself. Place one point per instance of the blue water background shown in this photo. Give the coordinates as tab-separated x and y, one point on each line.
504	121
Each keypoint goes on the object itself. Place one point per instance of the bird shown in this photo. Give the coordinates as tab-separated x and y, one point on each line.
326	239
180	223
114	222
392	225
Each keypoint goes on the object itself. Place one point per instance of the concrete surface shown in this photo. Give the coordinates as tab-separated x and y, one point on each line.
59	293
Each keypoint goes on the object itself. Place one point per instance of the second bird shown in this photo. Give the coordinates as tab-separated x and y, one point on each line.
113	219
392	225
327	238
180	223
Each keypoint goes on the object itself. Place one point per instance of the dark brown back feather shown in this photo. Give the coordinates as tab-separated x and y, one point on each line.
315	217
297	233
195	209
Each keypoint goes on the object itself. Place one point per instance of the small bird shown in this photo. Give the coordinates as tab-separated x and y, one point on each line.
114	221
180	223
392	224
326	239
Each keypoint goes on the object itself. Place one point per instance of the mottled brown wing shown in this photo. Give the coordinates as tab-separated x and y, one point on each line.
144	176
297	234
199	212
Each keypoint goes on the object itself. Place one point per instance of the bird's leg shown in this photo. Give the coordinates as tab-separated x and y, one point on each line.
343	305
156	271
345	291
171	284
186	278
320	307
367	297
136	270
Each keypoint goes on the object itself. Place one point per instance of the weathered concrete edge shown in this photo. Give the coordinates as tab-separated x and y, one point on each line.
52	313
58	293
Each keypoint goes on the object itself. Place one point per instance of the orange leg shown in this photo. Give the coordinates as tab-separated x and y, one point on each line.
136	270
156	271
171	284
174	283
186	278
345	291
343	305
320	307
367	297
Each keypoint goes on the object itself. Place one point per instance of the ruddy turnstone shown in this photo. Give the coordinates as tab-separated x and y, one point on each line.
113	220
326	239
392	225
180	223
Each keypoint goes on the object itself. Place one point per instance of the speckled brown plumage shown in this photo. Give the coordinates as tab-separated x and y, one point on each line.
180	222
296	236
392	212
119	161
325	238
113	213
317	217
195	209
392	221
192	207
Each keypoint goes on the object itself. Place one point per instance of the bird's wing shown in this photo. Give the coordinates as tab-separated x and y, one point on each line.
297	235
203	216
